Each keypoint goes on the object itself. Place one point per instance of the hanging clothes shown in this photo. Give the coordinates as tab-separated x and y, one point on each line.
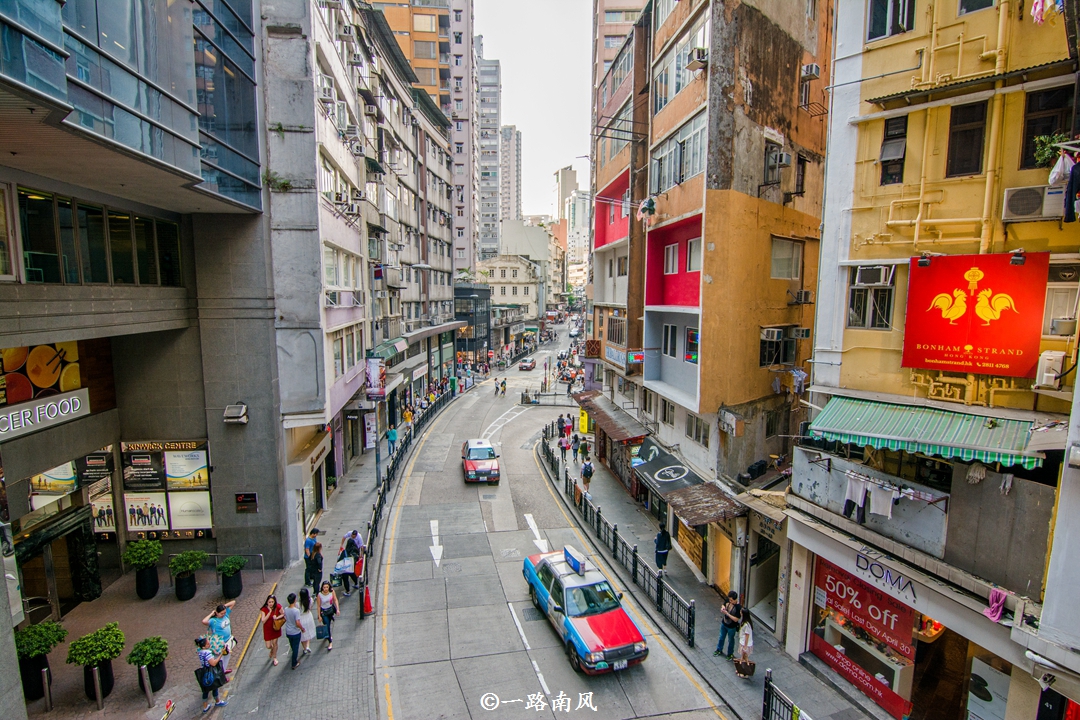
1006	483
997	604
881	500
976	473
855	499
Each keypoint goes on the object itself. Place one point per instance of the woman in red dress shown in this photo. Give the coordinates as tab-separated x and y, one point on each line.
272	616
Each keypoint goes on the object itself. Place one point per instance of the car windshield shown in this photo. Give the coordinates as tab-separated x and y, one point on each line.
482	453
591	599
527	361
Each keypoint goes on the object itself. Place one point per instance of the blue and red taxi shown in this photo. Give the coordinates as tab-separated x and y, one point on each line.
585	610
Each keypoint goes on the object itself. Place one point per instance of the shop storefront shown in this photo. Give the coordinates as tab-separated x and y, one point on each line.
306	478
618	435
767	560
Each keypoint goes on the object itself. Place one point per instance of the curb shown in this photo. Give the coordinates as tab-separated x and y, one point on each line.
661	623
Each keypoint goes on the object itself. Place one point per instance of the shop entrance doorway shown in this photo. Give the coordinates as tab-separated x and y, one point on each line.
48	590
938	685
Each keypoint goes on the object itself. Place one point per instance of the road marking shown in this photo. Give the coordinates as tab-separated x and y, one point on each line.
540	677
436	548
502	420
644	621
539	542
389	704
521	630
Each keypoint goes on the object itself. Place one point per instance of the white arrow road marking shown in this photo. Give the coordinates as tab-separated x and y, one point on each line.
539	542
502	420
436	548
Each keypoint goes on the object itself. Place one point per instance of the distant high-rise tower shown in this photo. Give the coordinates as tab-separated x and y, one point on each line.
612	20
510	168
489	116
565	183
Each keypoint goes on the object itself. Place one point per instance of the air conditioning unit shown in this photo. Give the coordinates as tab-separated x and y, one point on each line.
699	58
1048	374
772	334
357	149
351	209
330	4
327	95
356	59
371	110
783	159
357	195
874	276
341	198
1041	202
352	131
381	294
810	71
804	297
799	333
346	32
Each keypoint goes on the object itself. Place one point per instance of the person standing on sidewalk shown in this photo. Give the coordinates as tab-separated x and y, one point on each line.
391	438
586	475
583	449
352	545
294	628
309	543
308	620
503	386
221	637
406	419
663	546
272	616
743	666
328	608
731	616
313	567
561	423
207	659
564	445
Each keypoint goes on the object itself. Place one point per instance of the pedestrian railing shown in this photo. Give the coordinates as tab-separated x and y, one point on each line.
677	610
216	558
775	705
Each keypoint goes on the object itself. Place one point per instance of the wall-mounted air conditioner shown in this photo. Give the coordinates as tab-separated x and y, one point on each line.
1040	202
327	94
352	131
371	110
341	198
803	297
1048	375
351	209
799	333
810	71
699	58
356	59
381	294
874	276
772	334
346	32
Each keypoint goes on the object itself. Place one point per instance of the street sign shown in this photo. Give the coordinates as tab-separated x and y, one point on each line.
491	353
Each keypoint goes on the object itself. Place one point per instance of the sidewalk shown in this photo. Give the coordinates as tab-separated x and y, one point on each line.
744	697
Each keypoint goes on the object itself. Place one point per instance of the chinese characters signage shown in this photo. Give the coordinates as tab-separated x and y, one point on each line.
978	314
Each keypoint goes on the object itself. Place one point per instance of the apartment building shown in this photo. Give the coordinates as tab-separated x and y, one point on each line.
945	335
577	217
423	32
517	280
489	120
612	22
540	245
509	173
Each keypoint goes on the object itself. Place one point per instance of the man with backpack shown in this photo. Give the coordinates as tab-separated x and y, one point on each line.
586	475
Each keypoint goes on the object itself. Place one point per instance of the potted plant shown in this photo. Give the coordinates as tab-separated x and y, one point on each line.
183	566
150	652
1045	152
143	555
97	649
232	584
33	645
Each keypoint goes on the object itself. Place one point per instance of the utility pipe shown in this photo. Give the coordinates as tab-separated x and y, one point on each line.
927	139
997	111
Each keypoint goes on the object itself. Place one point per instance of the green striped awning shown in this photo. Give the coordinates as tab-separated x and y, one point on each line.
390	348
926	430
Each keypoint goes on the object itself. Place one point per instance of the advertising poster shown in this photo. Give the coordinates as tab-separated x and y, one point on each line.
95	466
371	431
980	314
144	467
104	516
376	378
187	470
886	619
146	511
38	371
51	485
190	510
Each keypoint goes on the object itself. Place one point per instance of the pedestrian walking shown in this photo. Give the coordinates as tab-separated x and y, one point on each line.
504	387
560	423
313	567
294	628
663	546
328	608
272	617
308	633
744	666
731	616
564	445
586	475
309	543
574	445
391	438
352	546
221	637
209	680
583	449
406	419
496	387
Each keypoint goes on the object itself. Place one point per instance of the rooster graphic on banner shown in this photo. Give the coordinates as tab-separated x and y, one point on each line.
988	306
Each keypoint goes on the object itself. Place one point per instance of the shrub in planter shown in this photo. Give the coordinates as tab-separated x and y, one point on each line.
97	649
143	555
232	582
150	652
33	646
183	567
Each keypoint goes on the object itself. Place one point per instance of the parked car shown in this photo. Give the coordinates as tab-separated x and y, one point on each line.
479	462
527	364
574	332
586	612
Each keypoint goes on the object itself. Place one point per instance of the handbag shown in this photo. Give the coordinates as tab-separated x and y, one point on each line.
210	677
745	668
322	632
279	622
344	566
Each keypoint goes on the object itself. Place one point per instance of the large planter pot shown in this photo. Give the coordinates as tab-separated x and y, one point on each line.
105	669
30	672
185	587
157	676
232	585
146	582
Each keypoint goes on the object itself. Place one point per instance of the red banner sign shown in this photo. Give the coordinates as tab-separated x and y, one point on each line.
873	688
978	314
883	617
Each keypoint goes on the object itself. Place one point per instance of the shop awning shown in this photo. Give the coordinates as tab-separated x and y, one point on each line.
925	430
662	471
390	348
373	166
376	227
619	425
703	504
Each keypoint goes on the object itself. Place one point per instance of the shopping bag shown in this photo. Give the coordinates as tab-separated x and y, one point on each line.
335	580
344	566
322	632
745	668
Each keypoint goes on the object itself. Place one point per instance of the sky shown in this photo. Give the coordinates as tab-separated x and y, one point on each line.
545	50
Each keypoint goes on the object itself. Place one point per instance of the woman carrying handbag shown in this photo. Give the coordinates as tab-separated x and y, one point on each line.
272	617
328	608
209	675
744	666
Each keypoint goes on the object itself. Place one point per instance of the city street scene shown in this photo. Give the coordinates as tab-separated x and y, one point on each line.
504	359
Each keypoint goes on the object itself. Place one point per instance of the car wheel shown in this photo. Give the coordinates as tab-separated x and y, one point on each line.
535	600
575	661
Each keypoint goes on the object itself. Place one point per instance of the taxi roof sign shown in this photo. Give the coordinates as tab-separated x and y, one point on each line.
574	559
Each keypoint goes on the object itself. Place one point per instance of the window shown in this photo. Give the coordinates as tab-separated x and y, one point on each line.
424	50
890	17
786	259
869	306
967	6
423	23
893	150
611	267
776	352
804	94
671	259
697	429
92	247
647	400
1061	291
693	255
121	248
514	291
667	413
40	254
670	347
457	63
620	16
526	289
681	157
426	76
626	388
513	273
611	213
459	148
800	175
616	330
339	341
672	74
621	266
613	41
502	272
967	127
457	16
690	349
772	163
1047	112
773	419
457	38
502	289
